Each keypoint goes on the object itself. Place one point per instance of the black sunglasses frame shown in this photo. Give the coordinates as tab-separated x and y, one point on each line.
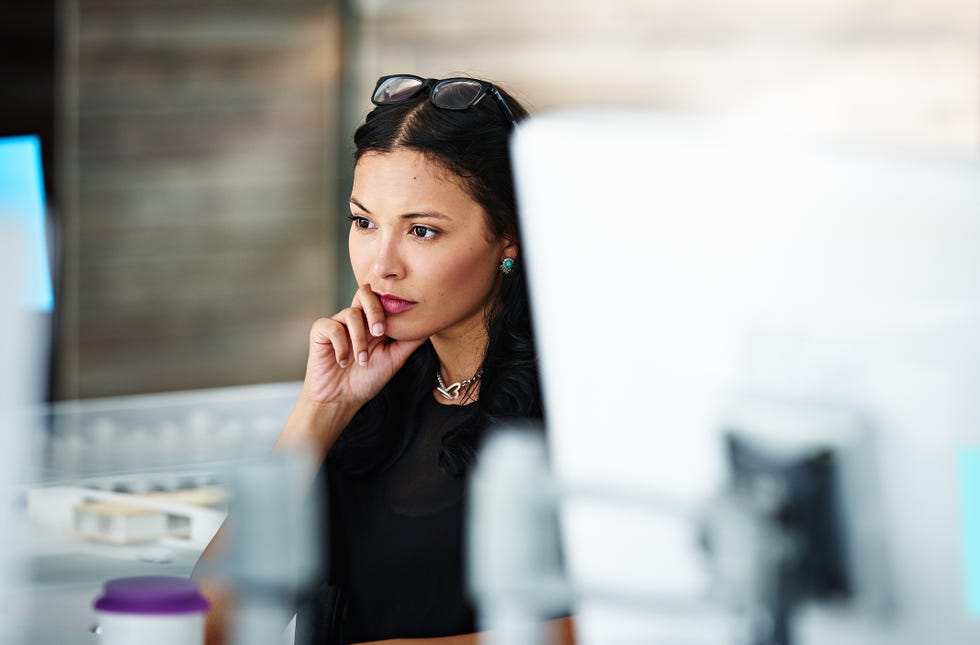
432	84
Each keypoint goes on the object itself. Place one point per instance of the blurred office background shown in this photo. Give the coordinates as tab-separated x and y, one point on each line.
198	152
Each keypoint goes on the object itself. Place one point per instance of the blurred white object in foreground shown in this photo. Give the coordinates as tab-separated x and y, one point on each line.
680	269
514	563
21	357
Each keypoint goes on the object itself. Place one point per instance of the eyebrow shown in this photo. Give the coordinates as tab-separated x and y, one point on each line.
432	214
359	205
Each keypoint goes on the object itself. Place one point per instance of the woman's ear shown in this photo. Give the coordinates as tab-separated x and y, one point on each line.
510	249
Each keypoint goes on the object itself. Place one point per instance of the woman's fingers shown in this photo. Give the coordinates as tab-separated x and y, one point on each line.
329	332
355	332
356	328
347	330
343	339
365	320
374	313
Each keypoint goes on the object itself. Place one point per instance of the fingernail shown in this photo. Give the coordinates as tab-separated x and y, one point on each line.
343	363
377	329
362	358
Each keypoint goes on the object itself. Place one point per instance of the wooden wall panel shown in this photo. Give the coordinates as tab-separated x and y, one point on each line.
200	244
903	74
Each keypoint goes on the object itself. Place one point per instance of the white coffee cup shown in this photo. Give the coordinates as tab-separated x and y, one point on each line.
151	610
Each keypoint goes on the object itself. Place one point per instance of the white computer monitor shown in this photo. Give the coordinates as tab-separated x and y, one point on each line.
25	290
26	299
680	267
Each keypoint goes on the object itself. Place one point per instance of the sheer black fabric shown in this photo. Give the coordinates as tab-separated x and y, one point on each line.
397	543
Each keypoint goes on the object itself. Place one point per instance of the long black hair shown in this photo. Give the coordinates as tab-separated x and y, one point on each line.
472	145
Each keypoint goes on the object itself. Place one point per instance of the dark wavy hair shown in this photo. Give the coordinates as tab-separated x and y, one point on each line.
472	145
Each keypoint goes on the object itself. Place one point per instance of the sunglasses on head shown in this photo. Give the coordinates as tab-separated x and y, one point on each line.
448	93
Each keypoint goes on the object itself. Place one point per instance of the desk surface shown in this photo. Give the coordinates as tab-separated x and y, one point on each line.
45	634
63	575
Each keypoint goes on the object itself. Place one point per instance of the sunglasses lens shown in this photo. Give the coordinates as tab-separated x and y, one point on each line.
396	89
456	95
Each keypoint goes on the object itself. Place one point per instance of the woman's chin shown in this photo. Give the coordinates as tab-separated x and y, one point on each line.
403	332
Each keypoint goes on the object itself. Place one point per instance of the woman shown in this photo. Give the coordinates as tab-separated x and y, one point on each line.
435	347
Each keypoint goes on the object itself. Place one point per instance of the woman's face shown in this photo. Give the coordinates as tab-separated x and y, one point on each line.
422	244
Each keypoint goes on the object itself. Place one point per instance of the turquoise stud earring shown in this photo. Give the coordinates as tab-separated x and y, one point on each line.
507	265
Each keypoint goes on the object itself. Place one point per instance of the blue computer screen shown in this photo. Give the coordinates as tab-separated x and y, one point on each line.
22	204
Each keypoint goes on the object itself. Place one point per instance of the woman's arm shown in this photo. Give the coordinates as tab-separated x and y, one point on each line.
346	367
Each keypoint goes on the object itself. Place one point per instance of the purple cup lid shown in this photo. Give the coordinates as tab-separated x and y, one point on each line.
152	595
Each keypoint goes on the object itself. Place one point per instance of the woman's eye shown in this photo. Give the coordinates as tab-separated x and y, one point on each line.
423	232
359	222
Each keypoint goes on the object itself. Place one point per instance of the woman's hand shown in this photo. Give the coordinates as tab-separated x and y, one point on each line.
350	357
350	360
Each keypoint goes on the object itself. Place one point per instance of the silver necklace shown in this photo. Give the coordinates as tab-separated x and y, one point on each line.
452	392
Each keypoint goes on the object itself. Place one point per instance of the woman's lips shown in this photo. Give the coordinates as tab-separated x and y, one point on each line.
394	305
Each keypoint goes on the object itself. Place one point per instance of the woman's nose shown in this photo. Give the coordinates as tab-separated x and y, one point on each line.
387	260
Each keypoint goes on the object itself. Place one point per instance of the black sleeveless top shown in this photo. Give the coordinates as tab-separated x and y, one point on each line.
397	542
